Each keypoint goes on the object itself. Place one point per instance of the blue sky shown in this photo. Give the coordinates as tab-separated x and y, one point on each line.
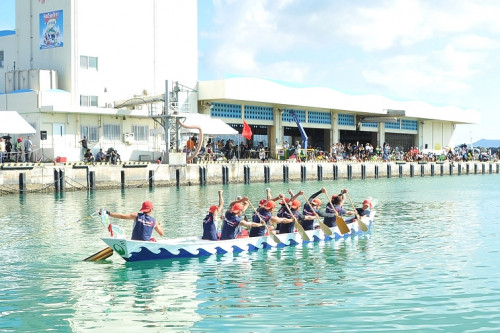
441	52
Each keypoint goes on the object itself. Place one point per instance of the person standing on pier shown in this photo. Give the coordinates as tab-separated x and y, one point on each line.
84	143
19	149
2	150
8	148
28	149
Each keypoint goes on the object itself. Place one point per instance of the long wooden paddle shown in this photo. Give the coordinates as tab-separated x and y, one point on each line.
326	230
271	233
300	228
362	226
101	255
343	228
91	216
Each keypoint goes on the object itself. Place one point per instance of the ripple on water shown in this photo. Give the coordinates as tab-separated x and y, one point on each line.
430	264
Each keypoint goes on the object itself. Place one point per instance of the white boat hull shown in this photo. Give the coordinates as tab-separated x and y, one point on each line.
191	247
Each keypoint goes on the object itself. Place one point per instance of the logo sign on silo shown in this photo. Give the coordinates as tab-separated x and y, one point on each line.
51	29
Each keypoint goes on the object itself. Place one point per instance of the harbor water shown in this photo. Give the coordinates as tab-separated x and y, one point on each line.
431	263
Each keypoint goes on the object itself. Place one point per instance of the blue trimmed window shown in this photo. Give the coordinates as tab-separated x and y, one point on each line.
225	110
287	116
396	125
371	125
409	125
345	120
317	117
259	112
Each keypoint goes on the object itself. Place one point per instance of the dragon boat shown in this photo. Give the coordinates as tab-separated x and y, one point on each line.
191	247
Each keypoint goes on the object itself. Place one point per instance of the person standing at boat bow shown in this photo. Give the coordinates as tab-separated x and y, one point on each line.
144	223
209	222
232	219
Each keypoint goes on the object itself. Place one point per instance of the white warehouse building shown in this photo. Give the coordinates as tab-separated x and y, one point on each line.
101	69
69	64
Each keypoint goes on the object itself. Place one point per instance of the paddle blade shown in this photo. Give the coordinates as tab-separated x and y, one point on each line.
101	255
361	225
302	232
274	237
117	230
342	225
104	218
327	231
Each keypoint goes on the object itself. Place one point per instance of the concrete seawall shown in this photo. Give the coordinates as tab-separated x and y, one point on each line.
29	177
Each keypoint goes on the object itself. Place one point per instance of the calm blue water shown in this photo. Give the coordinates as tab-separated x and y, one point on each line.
430	264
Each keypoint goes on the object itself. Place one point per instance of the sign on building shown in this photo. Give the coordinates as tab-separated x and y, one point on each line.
51	29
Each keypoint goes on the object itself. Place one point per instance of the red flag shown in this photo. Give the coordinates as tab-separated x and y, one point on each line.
247	131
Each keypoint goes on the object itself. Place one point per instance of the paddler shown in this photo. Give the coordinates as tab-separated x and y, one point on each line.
232	219
209	222
316	210
329	220
289	227
265	214
365	208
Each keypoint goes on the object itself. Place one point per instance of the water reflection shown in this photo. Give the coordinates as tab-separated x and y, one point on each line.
145	297
429	263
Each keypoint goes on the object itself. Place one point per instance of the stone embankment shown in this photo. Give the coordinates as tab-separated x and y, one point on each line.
33	177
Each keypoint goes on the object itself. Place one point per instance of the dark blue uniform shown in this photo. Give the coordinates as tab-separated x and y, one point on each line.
363	212
308	211
209	228
330	221
230	226
143	227
265	216
286	228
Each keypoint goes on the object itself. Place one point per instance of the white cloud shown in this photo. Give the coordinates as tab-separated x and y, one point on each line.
474	42
387	24
382	27
405	48
416	74
287	71
249	39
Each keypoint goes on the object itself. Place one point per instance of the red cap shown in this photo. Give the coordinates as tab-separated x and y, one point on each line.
262	201
237	207
295	204
367	202
334	196
19	139
287	200
268	205
316	201
212	208
147	206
